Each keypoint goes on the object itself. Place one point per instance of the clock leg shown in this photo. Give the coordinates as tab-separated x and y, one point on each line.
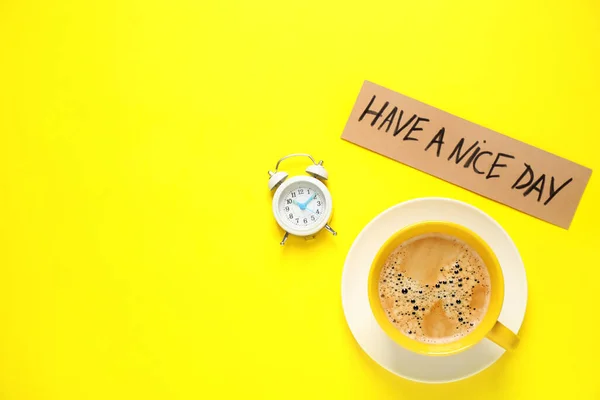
330	229
284	239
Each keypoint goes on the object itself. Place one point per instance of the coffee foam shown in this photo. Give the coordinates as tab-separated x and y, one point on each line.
434	288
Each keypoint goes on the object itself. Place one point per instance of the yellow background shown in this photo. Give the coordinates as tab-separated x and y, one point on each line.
138	253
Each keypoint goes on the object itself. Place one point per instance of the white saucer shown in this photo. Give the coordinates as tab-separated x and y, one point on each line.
372	338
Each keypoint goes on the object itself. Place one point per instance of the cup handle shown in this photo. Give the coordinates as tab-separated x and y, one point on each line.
503	337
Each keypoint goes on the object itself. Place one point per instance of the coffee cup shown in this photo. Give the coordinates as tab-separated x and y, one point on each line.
487	325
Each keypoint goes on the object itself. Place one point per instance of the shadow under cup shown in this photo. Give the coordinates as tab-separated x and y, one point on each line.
489	326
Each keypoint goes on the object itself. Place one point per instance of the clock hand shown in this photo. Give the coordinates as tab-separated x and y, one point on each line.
301	205
310	199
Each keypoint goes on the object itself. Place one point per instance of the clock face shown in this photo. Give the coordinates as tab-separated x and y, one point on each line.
302	205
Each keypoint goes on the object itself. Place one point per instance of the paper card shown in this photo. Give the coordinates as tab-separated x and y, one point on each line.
466	154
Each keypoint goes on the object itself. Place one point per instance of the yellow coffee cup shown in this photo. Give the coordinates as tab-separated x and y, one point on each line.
489	327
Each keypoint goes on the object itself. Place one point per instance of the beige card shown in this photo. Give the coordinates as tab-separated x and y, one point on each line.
481	160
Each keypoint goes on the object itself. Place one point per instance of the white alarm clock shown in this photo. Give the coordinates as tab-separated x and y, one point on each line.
302	204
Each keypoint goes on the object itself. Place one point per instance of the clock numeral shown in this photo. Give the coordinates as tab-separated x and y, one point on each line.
293	194
290	215
307	191
286	208
297	220
318	203
312	217
300	191
317	212
288	201
305	220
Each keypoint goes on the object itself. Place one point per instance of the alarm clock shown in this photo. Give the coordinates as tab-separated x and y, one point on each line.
302	204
